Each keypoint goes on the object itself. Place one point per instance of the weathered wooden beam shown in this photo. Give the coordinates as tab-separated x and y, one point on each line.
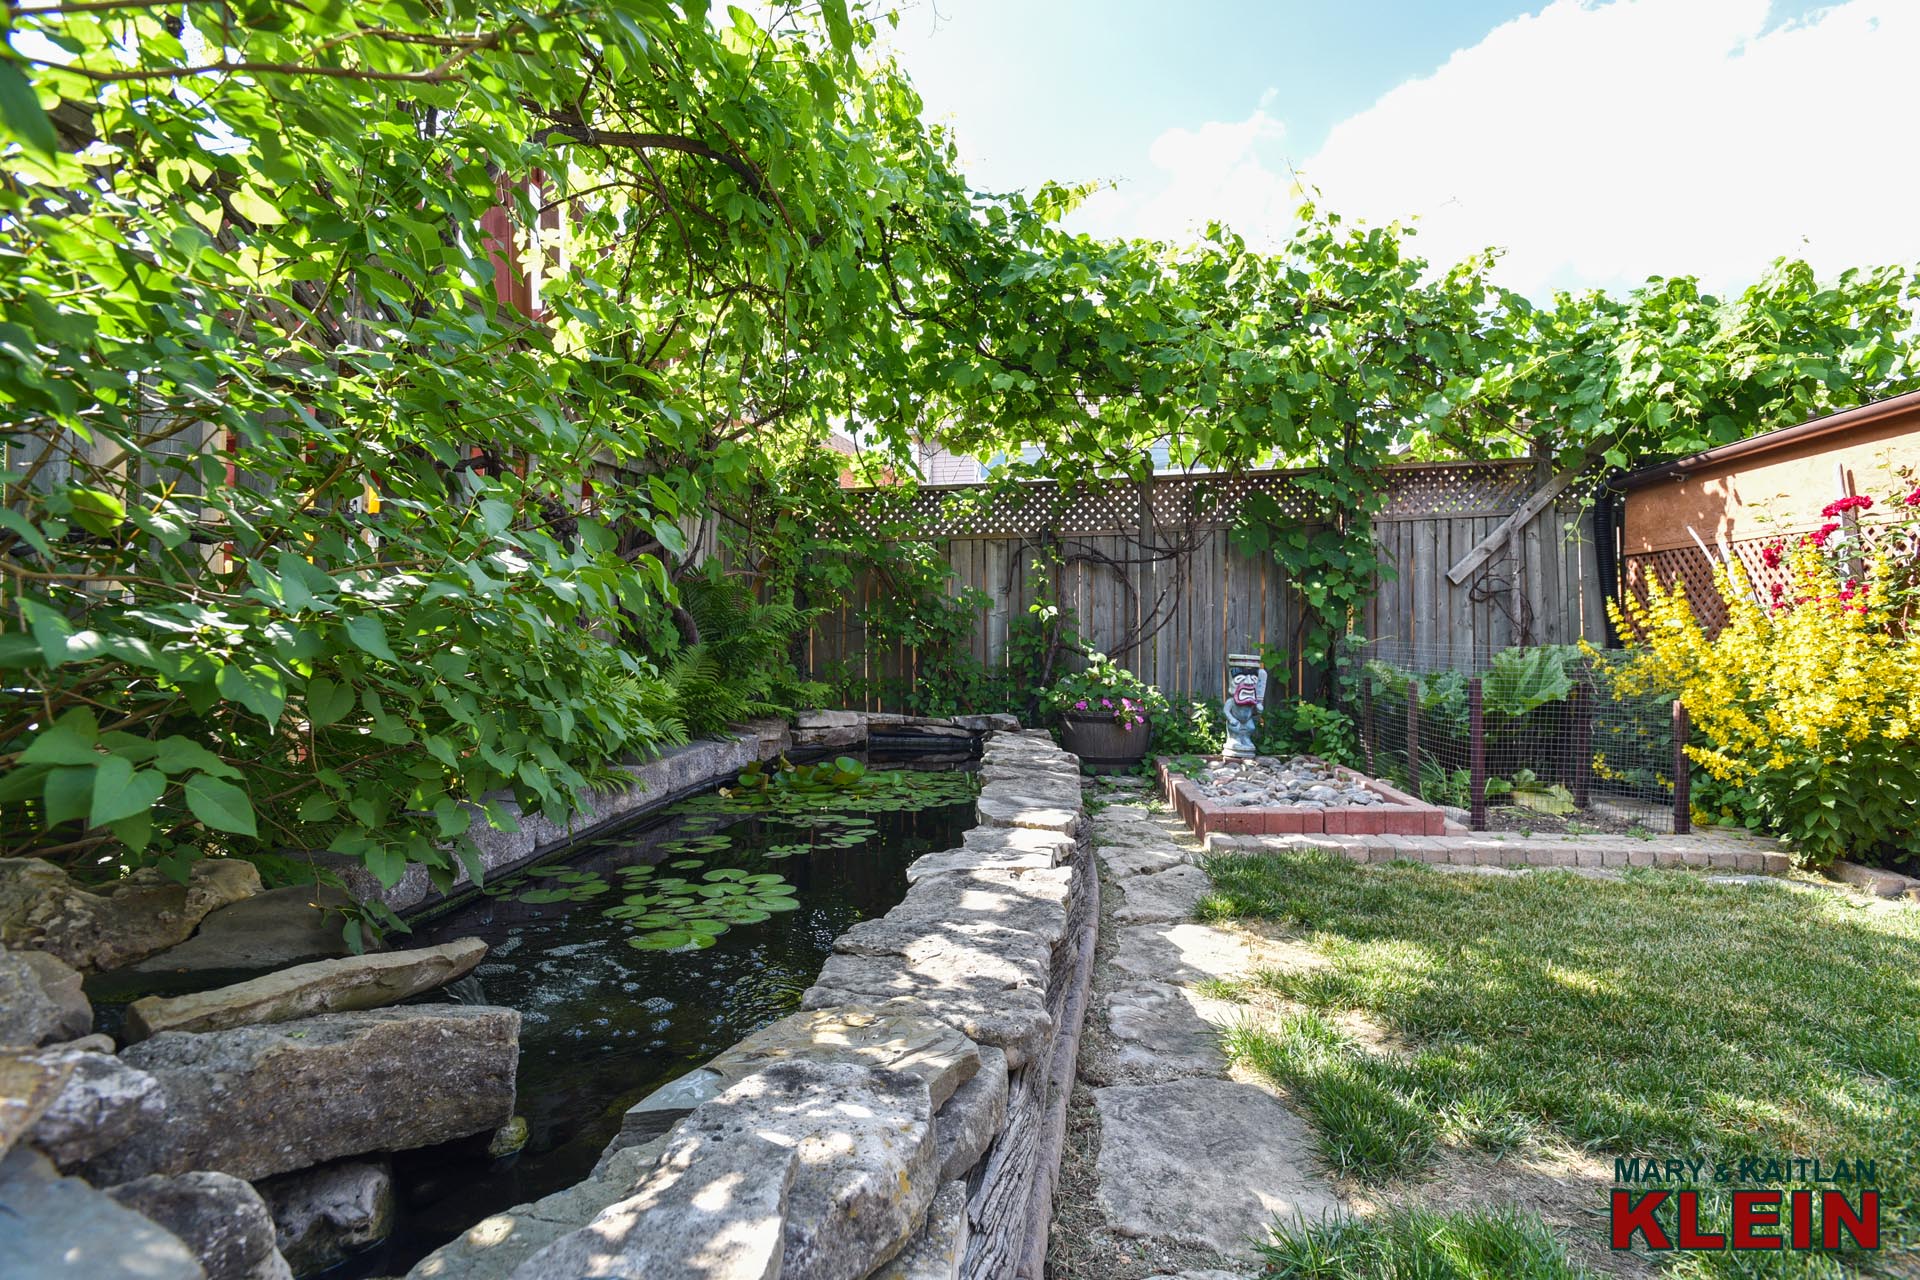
1526	511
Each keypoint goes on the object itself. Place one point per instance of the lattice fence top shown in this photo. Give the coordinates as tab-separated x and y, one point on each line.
1112	507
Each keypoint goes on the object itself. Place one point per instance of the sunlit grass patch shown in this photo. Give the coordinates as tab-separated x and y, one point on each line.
1659	1015
1469	1245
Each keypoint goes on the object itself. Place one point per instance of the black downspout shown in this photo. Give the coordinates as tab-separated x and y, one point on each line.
1608	518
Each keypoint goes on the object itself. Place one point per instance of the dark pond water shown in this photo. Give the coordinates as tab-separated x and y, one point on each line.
603	1023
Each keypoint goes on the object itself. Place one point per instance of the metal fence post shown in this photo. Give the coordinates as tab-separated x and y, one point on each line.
1366	722
1413	737
1682	779
1476	757
1582	743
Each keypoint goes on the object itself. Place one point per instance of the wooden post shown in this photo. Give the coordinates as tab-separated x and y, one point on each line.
1476	757
1413	737
1582	743
1682	779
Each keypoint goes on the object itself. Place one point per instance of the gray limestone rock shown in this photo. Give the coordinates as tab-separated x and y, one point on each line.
268	931
893	1037
966	1126
1000	807
867	1158
44	909
256	1101
1019	840
326	1215
323	986
983	995
1122	861
495	1246
1181	953
29	1084
59	1228
1205	1163
965	859
28	1013
104	1102
938	1248
1162	896
1034	901
222	1219
40	1000
1161	1032
714	1208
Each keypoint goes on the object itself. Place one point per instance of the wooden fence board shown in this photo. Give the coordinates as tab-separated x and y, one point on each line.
1218	599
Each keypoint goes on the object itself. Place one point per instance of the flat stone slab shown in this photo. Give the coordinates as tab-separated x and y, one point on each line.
1162	1032
1019	809
1205	1163
965	859
1021	840
1162	895
890	1038
713	1210
496	1246
1183	953
979	995
1122	861
324	986
1032	901
267	931
255	1101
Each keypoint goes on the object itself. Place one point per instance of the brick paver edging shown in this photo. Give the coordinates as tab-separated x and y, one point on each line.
1711	850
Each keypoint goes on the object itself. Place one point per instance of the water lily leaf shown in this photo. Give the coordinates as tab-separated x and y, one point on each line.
661	940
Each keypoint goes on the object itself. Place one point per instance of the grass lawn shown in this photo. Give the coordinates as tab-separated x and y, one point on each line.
1659	1016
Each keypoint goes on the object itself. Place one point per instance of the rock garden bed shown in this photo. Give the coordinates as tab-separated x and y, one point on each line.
1296	796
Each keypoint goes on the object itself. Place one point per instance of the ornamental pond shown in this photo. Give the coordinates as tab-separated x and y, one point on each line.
643	952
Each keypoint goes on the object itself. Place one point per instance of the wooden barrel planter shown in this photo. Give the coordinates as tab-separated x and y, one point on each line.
1102	745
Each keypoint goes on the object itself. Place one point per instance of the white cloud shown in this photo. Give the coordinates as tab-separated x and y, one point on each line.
1598	143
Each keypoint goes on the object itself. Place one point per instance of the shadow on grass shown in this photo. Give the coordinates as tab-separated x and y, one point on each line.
1660	1015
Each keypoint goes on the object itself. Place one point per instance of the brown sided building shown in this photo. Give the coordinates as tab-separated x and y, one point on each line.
1680	518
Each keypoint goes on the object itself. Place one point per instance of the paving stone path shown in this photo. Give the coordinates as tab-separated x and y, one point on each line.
1192	1165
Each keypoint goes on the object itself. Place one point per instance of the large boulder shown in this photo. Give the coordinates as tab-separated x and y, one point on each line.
270	931
28	1086
103	1103
59	1228
220	1218
326	1215
42	908
256	1101
41	1000
324	986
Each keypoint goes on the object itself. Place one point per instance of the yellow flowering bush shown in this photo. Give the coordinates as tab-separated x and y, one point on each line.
1804	708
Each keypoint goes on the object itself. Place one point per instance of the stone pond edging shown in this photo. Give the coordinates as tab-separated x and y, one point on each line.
905	1125
654	784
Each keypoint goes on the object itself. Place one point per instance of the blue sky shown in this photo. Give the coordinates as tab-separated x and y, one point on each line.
1596	141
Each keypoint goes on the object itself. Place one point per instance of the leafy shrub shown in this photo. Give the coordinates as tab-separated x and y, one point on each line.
1299	727
1804	711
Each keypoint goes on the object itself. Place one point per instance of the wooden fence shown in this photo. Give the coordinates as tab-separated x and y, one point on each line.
1152	577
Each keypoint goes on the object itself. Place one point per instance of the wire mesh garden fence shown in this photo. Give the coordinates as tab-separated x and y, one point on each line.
1534	739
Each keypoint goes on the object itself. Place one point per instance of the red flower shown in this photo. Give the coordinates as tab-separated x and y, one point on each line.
1842	505
1770	554
1913	499
1779	589
1819	536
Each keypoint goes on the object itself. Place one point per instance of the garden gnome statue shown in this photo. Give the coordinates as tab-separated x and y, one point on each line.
1246	698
